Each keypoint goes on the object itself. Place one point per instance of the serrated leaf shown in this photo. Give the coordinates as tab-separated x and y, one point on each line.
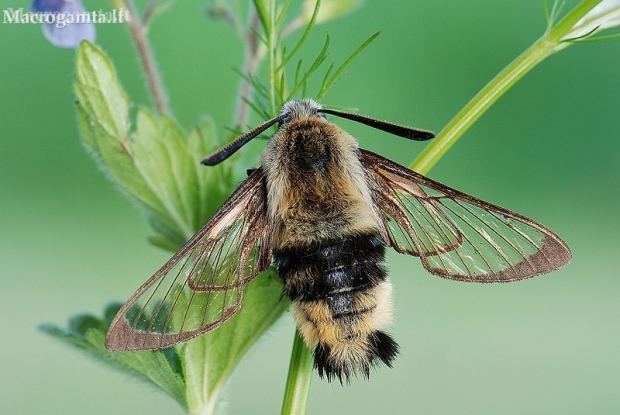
193	373
209	360
154	366
103	112
107	100
157	164
160	367
113	157
161	159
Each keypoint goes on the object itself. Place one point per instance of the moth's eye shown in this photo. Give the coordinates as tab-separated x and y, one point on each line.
284	120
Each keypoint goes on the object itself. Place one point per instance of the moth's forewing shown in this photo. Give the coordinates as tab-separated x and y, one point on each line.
456	235
201	286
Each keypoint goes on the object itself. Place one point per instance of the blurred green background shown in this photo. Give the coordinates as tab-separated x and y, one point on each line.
550	149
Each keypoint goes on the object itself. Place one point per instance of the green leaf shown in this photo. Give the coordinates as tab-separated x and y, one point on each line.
214	183
195	372
209	360
263	15
160	157
157	165
160	368
106	99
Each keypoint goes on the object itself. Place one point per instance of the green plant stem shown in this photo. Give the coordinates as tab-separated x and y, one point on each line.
298	380
547	45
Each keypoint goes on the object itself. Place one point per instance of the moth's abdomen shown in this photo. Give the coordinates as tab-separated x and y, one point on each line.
341	299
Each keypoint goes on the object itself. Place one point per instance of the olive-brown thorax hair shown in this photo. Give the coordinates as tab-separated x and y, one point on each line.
315	182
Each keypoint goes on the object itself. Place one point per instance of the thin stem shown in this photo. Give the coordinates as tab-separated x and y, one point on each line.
479	104
272	51
252	60
149	12
138	33
298	380
548	44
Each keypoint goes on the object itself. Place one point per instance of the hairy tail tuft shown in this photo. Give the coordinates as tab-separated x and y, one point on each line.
356	356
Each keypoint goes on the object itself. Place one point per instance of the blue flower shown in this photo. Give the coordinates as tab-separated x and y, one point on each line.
65	22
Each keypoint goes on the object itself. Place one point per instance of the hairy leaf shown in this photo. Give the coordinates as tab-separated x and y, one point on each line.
160	367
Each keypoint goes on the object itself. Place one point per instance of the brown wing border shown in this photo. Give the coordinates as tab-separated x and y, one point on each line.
553	254
249	199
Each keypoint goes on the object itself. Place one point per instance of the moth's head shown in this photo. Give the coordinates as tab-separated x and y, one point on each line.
299	109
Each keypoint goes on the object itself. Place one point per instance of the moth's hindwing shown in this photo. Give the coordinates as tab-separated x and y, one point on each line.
456	235
201	286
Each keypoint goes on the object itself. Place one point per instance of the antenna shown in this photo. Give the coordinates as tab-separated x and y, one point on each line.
232	147
388	127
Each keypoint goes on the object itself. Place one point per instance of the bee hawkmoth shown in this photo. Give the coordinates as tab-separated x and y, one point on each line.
322	211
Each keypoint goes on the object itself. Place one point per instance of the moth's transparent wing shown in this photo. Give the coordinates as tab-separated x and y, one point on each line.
201	286
456	235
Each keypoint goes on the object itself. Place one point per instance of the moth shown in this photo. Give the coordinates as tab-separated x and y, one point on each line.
322	211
